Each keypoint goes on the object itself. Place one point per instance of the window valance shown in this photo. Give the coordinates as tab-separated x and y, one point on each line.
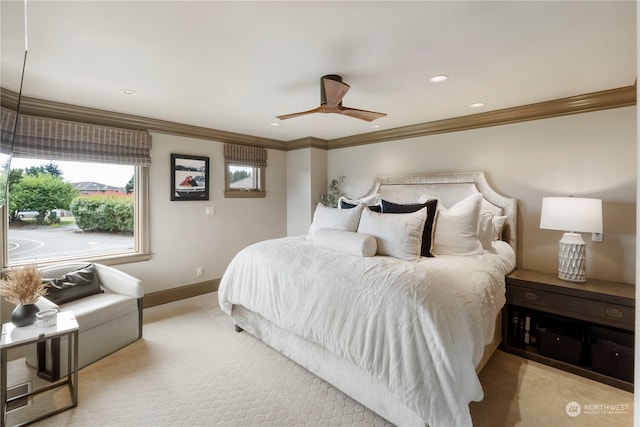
245	155
45	138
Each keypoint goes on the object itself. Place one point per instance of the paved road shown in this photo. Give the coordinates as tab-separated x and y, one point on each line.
40	243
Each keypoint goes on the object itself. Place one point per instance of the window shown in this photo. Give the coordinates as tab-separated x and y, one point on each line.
244	178
244	171
78	192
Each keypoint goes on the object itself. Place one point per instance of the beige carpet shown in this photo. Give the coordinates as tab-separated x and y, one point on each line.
519	392
192	369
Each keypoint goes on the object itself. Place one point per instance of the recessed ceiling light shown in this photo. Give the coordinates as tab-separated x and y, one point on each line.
477	105
128	92
274	124
375	126
439	78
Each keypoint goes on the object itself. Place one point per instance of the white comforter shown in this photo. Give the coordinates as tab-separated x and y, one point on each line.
419	328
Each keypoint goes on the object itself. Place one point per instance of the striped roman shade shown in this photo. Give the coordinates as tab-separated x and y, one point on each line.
52	139
245	155
7	125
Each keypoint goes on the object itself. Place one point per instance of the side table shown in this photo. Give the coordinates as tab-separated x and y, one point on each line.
13	337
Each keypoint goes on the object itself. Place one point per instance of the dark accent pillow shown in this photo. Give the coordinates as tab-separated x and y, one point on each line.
347	205
427	233
73	285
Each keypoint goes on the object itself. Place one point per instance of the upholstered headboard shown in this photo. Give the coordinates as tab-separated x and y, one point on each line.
449	188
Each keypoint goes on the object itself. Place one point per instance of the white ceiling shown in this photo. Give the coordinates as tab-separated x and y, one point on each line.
234	66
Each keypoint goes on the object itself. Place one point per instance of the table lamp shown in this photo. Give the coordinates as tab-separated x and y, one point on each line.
572	215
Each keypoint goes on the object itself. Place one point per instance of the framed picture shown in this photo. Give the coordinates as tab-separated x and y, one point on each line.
189	177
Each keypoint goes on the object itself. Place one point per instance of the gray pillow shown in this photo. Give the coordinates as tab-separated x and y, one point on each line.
73	285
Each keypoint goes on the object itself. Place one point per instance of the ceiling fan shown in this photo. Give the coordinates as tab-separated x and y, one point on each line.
332	90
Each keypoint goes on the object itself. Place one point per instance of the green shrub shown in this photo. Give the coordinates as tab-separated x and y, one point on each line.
42	193
112	212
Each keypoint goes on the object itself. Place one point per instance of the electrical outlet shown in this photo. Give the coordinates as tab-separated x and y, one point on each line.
199	271
596	237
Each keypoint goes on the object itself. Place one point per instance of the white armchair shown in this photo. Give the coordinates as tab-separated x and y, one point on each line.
107	321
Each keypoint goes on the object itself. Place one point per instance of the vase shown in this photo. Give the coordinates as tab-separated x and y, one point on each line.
24	314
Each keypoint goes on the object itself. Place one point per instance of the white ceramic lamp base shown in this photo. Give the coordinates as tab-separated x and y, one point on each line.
573	258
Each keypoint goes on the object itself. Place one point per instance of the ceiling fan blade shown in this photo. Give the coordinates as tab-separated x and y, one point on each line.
334	91
369	116
319	109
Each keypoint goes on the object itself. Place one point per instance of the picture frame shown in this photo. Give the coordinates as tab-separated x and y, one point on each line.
189	177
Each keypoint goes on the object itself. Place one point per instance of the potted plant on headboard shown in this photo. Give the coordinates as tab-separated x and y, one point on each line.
333	194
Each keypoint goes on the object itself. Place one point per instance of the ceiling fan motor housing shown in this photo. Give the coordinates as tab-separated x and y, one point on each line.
323	93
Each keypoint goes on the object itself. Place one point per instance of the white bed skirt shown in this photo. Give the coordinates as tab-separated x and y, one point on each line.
343	375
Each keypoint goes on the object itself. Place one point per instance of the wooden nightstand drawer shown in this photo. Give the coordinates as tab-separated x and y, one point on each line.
526	297
617	315
621	315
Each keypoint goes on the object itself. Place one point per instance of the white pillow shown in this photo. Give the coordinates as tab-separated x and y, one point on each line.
485	229
498	226
341	219
456	228
369	200
397	235
346	241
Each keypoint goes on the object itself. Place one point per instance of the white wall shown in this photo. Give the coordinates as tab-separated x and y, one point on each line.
306	181
298	187
183	238
587	155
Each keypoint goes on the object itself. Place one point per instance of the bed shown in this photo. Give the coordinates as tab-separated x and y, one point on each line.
403	333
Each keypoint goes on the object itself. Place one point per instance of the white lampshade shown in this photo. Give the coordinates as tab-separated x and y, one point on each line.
573	214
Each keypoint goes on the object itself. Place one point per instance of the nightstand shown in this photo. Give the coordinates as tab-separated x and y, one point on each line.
583	328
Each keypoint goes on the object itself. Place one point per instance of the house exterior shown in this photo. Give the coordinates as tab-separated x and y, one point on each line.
90	187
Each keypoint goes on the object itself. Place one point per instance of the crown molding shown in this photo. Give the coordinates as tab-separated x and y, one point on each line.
8	99
595	101
308	142
58	110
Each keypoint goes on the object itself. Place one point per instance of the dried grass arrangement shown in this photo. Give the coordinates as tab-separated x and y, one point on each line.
23	285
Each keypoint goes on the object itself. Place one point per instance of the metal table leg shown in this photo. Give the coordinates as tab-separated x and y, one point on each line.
3	386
